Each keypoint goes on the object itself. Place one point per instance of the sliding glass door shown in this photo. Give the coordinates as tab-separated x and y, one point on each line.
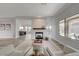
73	29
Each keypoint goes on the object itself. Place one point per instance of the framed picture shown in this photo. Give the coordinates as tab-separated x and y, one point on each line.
7	27
2	27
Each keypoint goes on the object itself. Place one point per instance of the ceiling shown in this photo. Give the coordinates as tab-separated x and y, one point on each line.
30	9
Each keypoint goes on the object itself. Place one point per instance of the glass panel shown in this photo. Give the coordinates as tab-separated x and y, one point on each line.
61	28
73	31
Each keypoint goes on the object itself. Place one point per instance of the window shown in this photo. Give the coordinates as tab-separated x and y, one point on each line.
61	28
21	28
70	27
25	28
73	29
29	28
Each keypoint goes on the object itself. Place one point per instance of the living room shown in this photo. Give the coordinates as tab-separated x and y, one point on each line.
25	28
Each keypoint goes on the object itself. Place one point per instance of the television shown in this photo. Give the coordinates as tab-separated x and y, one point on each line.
38	35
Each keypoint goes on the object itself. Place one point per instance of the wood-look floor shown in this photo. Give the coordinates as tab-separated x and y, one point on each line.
9	41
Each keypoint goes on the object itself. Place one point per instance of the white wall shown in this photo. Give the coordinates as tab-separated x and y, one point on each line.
47	33
50	21
21	22
17	22
7	34
72	10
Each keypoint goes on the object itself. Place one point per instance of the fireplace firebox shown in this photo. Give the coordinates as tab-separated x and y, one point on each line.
38	35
